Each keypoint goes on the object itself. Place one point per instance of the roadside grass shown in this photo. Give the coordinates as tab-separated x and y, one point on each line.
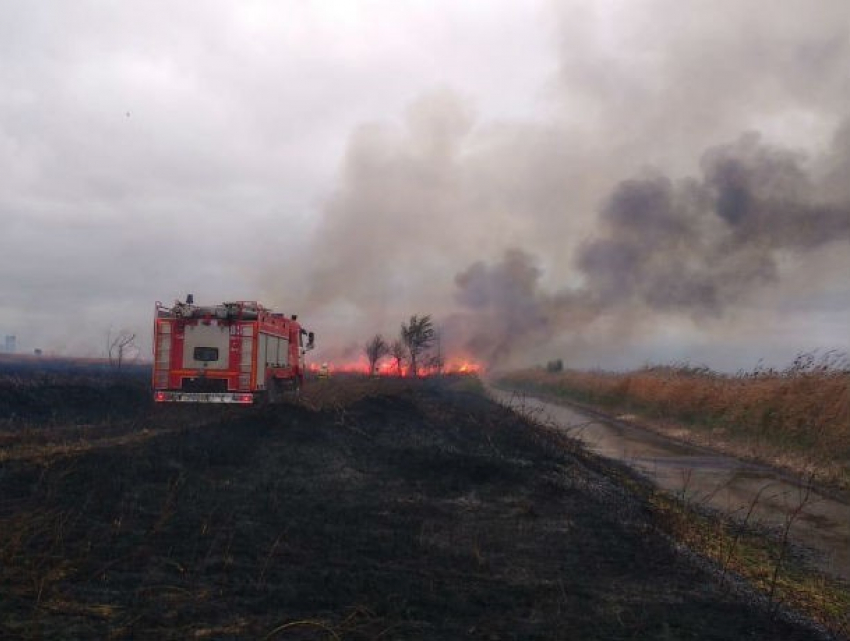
736	549
744	556
764	559
797	417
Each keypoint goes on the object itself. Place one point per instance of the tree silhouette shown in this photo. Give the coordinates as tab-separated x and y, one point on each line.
398	351
119	347
417	335
375	350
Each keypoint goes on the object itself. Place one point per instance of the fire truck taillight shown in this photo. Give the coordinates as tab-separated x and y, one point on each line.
244	398
159	397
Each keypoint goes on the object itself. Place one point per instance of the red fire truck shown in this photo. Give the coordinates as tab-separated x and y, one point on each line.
238	352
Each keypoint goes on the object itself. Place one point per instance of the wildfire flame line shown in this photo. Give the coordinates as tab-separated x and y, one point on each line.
389	368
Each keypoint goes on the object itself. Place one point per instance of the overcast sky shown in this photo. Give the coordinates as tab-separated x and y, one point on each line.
612	181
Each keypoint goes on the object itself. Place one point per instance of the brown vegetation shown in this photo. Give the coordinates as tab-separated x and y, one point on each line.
798	417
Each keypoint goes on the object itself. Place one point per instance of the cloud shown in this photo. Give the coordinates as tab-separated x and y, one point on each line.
357	163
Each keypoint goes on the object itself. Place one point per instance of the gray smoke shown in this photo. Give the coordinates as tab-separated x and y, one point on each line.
507	309
699	246
519	233
691	247
412	207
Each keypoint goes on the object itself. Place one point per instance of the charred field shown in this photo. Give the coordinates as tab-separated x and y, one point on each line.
387	508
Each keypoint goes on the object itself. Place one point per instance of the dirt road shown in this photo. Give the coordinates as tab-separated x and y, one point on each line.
735	488
376	509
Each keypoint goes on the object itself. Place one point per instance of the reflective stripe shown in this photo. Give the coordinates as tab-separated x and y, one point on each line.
204	397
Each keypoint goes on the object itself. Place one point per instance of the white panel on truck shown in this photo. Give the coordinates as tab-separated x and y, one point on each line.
206	346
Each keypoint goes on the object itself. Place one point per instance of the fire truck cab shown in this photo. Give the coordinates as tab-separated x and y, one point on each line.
235	352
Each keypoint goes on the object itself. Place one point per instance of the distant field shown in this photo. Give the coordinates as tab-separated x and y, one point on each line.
371	509
798	417
18	363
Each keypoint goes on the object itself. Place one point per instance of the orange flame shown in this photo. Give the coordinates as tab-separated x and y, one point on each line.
388	367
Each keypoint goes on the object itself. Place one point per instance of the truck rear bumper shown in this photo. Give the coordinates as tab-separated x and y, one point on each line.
242	398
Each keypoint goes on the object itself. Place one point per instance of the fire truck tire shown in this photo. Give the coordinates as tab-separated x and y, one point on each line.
273	392
280	391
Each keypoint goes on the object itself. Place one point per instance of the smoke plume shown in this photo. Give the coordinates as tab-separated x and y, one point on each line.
634	203
506	309
697	246
411	210
690	247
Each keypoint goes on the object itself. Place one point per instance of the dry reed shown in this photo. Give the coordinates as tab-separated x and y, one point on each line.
801	411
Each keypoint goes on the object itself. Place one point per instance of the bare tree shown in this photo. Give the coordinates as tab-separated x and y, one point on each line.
417	336
120	347
375	350
398	351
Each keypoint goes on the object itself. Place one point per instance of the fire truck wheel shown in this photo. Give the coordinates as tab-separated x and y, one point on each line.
272	394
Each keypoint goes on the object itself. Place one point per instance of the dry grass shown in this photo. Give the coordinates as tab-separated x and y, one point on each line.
760	558
798	417
344	389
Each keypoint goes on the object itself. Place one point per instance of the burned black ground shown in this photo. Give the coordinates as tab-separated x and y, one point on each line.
373	509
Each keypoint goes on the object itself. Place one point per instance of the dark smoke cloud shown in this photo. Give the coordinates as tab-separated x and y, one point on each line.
690	247
507	310
698	246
